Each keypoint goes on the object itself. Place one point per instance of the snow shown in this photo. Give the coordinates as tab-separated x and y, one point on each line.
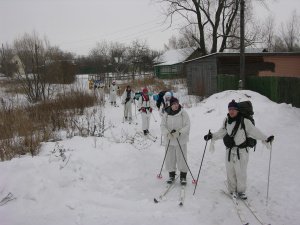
174	56
105	180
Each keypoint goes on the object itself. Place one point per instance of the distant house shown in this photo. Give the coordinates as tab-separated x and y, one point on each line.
20	68
170	63
202	72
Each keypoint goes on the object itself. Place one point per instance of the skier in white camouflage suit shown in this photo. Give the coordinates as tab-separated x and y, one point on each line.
175	127
145	107
237	154
113	88
127	99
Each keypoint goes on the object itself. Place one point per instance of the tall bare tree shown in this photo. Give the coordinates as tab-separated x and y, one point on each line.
290	33
268	33
214	24
32	51
7	66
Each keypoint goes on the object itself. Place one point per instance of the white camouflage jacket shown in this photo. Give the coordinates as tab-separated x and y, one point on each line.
179	122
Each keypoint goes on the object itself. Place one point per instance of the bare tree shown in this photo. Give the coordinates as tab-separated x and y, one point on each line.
290	33
213	24
184	40
136	52
100	57
268	33
7	66
117	57
32	51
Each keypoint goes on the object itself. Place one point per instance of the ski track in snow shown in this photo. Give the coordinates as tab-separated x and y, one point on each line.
106	182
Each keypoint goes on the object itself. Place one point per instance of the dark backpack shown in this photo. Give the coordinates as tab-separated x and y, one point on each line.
246	111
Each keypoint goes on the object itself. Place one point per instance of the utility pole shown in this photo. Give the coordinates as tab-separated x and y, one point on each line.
242	44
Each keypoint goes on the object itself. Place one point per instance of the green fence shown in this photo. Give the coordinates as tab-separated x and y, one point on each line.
227	82
278	89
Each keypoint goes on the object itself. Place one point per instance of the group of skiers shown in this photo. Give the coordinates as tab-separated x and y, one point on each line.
236	131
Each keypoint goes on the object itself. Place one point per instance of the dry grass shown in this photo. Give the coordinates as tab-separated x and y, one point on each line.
152	83
24	128
12	86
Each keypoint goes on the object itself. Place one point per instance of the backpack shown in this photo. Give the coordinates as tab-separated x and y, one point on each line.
245	111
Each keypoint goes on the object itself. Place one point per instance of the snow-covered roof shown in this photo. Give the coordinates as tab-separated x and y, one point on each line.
173	56
247	50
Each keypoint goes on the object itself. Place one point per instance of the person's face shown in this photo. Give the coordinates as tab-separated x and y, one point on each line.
232	112
175	106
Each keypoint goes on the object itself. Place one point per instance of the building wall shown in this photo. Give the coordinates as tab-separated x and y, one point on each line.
285	66
253	65
169	71
202	76
202	73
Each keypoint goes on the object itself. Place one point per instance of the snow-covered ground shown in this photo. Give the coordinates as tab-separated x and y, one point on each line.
107	180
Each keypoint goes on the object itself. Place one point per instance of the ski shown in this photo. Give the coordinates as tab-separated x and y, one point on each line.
147	136
165	192
182	195
237	207
254	212
152	137
7	198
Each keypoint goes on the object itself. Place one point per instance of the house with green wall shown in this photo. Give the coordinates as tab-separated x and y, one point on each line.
170	64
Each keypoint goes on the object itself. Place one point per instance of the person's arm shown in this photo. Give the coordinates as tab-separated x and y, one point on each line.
140	102
253	131
186	124
220	133
163	126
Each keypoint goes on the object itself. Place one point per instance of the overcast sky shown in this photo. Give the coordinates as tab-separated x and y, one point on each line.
76	25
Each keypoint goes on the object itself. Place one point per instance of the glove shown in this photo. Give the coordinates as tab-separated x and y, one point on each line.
270	139
169	136
208	136
175	133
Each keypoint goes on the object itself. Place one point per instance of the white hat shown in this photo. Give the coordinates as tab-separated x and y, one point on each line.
168	94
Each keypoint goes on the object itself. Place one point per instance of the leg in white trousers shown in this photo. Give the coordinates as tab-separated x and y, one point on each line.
128	110
145	120
175	159
237	171
113	97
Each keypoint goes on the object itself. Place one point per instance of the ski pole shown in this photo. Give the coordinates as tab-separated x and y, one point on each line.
200	166
135	108
124	112
269	174
186	161
153	117
159	176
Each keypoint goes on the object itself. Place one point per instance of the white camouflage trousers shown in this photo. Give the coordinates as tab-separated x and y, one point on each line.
145	120
128	110
113	96
237	170
175	159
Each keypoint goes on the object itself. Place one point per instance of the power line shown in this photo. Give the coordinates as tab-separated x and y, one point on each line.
114	32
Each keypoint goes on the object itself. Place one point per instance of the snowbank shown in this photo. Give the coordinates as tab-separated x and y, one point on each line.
110	181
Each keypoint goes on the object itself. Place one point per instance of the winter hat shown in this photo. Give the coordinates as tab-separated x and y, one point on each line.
174	100
145	90
233	105
168	94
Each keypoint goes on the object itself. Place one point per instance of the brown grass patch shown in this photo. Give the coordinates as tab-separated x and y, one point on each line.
24	128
